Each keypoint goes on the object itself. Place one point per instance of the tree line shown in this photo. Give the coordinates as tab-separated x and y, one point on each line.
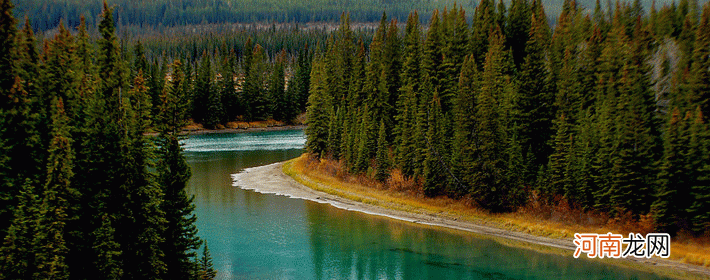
224	86
46	14
85	193
607	111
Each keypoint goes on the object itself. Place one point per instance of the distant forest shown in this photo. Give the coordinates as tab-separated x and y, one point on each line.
46	14
607	112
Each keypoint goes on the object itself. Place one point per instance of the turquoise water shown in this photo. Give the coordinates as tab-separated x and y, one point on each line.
257	236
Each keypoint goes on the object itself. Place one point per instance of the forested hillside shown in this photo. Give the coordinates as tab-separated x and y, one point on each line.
45	14
84	193
607	112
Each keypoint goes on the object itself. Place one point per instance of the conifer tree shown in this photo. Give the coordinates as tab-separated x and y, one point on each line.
255	100
483	24
465	126
207	271
180	232
351	132
487	180
204	89
698	85
672	182
20	246
700	166
57	198
433	57
227	89
382	161
319	111
537	98
282	103
435	172
518	30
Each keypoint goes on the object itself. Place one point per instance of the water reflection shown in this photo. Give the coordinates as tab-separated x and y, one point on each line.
349	245
255	236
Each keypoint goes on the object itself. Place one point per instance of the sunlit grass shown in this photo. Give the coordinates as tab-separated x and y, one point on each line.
400	194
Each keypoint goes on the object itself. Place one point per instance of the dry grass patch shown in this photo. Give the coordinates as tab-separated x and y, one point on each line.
555	220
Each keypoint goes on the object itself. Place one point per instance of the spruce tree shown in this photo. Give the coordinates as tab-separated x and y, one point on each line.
207	271
57	198
281	103
255	100
487	175
465	126
672	181
180	232
435	169
382	161
518	30
202	96
319	112
536	99
230	100
408	103
20	246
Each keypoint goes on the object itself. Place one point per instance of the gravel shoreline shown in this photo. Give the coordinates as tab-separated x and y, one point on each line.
270	179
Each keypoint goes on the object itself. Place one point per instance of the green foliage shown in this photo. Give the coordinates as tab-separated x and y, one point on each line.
382	161
319	111
207	271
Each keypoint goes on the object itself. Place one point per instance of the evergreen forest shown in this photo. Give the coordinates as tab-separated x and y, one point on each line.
605	111
85	193
601	107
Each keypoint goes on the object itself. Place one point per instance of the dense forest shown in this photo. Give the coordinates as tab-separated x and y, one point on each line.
606	112
46	14
85	193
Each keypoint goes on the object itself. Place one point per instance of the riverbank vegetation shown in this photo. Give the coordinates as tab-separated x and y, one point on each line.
85	193
603	116
397	193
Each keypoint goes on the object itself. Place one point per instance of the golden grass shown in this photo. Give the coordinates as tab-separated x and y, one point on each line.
254	124
400	194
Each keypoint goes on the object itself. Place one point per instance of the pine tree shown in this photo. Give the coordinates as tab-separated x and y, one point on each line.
433	57
351	132
202	95
367	142
180	232
281	103
487	175
58	197
230	100
672	182
699	139
536	99
255	100
435	172
20	246
483	24
319	112
408	103
8	31
465	126
207	271
382	161
518	30
698	85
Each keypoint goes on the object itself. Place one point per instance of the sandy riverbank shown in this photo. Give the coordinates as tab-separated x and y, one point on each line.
272	180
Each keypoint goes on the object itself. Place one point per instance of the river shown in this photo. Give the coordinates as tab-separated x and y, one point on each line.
263	236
